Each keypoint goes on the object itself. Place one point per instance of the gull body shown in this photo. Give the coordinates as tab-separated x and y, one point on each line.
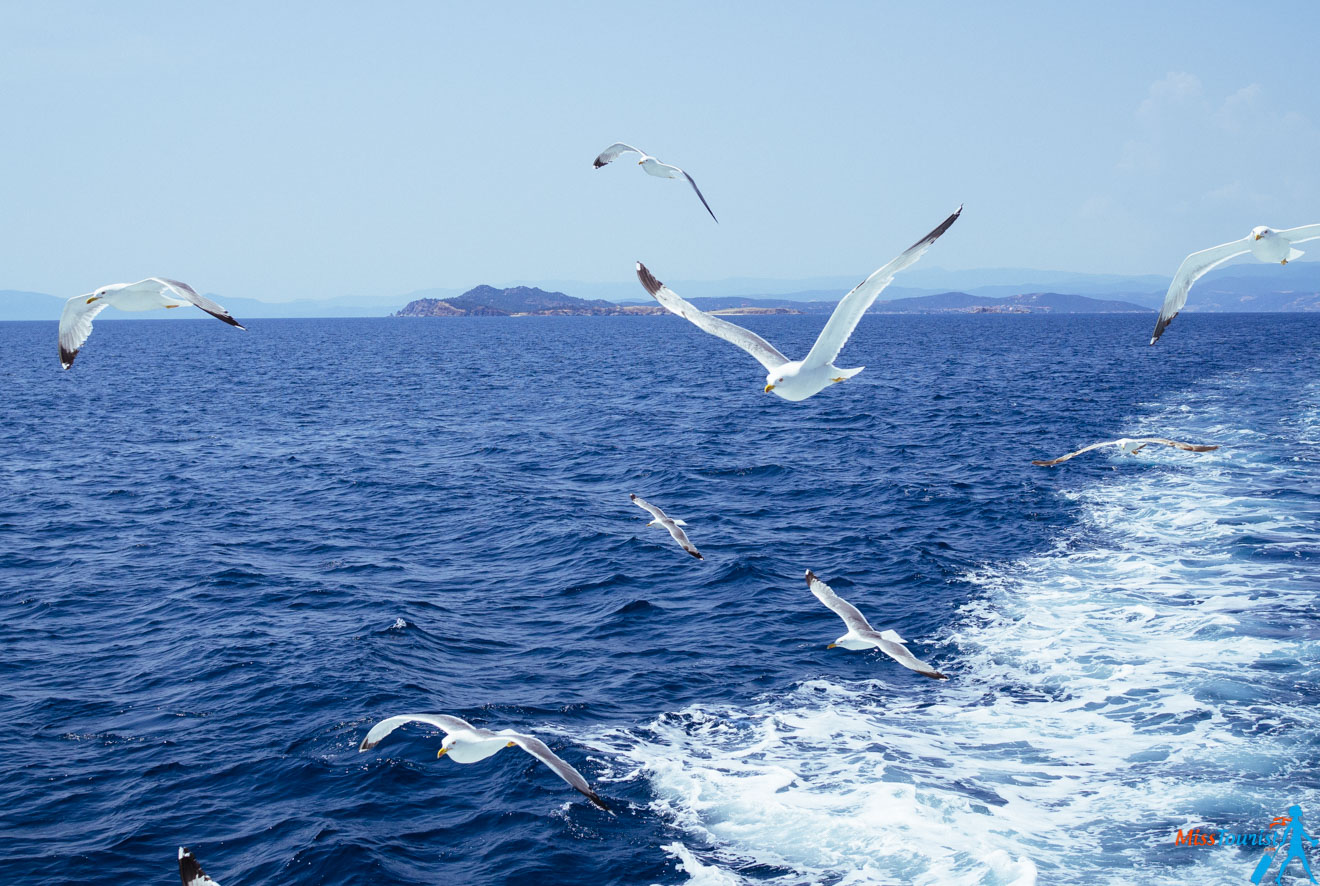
1264	243
861	635
651	166
465	743
1128	446
151	294
799	379
675	527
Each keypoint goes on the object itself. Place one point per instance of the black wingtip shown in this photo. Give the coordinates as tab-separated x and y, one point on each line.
189	870
938	676
598	802
66	357
811	576
649	283
632	496
596	164
938	232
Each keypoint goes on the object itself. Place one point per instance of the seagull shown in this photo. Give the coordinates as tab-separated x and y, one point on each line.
674	526
144	295
862	636
1128	445
799	379
465	743
190	872
1264	243
652	166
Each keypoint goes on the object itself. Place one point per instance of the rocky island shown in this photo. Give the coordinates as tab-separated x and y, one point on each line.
528	301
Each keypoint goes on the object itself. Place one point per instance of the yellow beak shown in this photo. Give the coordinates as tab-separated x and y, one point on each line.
769	388
441	754
832	646
510	744
95	297
1258	236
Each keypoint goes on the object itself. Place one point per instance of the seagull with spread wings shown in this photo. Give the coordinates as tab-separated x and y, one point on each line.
1264	243
862	636
465	743
1128	445
144	295
651	166
675	527
799	379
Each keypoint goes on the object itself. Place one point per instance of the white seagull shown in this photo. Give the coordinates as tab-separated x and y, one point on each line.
799	379
674	526
190	872
465	743
1128	445
652	166
862	636
1264	243
144	295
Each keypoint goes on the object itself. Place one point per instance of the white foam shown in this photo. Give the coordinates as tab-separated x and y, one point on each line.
1102	696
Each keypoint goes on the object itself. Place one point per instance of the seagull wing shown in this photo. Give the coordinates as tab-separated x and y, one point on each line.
853	305
190	872
76	325
899	653
648	507
385	727
1302	234
839	606
538	749
749	341
1190	447
670	524
692	182
1192	269
612	153
184	292
1063	458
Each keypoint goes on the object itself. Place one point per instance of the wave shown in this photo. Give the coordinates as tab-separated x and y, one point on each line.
1150	672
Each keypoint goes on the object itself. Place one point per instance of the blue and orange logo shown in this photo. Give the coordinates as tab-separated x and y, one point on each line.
1290	835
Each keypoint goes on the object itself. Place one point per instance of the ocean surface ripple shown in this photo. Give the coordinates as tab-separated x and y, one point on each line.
224	556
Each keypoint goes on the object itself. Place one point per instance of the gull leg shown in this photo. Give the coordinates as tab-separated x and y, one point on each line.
839	379
1284	262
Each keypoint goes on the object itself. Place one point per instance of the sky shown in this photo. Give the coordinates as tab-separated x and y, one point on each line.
309	150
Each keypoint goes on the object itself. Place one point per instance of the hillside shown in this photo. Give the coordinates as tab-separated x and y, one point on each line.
517	301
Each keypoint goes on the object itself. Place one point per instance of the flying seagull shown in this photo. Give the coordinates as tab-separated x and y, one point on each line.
652	166
862	636
1129	445
144	295
465	743
674	526
799	379
1264	243
190	872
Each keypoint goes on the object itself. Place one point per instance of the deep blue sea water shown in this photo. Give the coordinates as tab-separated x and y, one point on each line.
225	555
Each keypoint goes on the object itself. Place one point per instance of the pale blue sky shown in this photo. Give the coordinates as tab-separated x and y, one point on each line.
282	150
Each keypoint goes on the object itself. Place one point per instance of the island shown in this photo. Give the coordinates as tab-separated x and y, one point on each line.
529	301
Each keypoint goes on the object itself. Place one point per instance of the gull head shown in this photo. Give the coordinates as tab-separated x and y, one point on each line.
789	383
1260	231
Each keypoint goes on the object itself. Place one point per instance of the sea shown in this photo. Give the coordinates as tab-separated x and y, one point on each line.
225	555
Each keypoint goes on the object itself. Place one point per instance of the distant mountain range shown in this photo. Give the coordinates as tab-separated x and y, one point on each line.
1237	287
